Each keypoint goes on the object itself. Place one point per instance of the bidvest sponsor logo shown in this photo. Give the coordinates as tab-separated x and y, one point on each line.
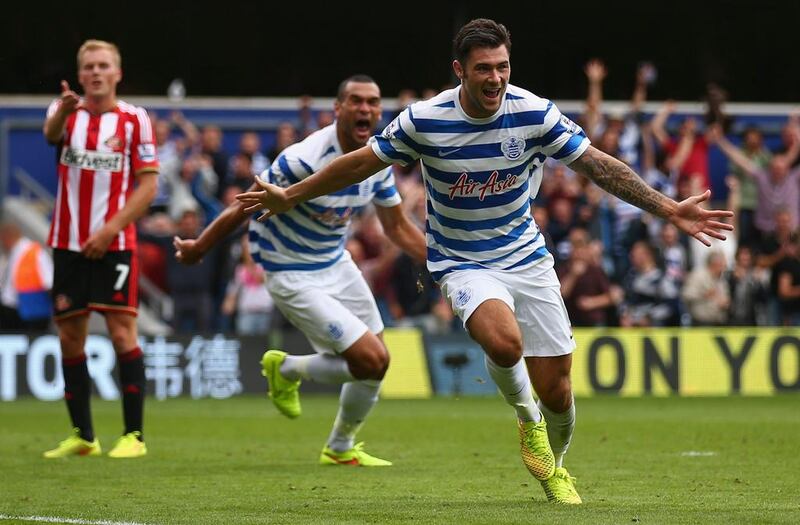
91	160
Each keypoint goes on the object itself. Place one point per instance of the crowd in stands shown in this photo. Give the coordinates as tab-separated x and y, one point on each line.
618	266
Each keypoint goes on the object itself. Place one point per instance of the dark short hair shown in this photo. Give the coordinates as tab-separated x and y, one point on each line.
360	78
480	33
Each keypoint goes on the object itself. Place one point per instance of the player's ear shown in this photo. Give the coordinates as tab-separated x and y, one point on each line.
458	70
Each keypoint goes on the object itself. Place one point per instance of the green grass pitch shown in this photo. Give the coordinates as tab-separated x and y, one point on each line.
690	460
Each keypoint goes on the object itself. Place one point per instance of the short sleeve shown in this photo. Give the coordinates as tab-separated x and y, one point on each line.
564	140
396	143
144	157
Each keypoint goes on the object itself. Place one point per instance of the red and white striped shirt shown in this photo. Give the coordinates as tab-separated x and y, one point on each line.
98	159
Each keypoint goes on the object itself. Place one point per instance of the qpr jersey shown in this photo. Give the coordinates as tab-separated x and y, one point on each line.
98	159
481	174
312	235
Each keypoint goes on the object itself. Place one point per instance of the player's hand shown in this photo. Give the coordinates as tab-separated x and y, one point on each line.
272	200
186	250
698	222
96	245
70	101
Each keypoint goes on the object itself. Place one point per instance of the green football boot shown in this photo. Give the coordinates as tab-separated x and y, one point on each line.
283	392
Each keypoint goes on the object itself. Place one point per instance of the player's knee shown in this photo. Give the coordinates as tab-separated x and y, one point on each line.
371	365
505	349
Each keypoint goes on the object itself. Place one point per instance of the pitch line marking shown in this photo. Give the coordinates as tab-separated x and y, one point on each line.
76	521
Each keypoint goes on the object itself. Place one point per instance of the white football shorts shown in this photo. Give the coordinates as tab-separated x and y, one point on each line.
333	307
534	295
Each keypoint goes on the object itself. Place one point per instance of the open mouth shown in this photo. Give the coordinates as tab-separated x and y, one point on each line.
491	93
363	126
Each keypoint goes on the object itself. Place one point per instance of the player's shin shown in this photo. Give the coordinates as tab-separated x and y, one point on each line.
132	378
560	427
515	386
77	394
355	402
320	368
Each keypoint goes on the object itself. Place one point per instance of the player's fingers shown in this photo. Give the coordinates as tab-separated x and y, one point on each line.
719	225
718	213
700	237
261	183
697	199
266	215
64	86
254	207
714	233
177	242
249	195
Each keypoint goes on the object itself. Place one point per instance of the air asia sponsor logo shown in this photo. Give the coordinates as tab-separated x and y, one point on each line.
512	147
91	160
331	218
147	152
467	187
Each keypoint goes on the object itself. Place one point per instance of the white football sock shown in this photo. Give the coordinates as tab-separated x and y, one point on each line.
515	385
320	368
355	402
559	429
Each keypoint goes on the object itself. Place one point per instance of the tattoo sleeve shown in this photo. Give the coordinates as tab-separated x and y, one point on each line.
618	179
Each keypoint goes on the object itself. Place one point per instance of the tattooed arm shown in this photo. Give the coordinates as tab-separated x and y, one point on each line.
618	179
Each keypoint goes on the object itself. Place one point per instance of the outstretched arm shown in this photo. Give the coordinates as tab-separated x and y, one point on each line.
403	232
345	171
190	251
735	154
658	124
618	179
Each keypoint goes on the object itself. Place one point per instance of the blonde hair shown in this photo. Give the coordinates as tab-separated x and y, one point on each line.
92	45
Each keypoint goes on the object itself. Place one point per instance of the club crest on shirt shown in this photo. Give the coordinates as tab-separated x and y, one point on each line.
113	142
512	147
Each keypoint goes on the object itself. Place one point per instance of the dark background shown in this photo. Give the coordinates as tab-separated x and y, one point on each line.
235	48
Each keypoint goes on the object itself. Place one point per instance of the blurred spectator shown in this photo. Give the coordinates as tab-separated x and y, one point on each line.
325	119
195	187
26	276
191	287
405	97
584	285
247	297
687	152
240	174
285	136
211	147
747	188
786	275
250	145
542	219
616	133
651	298
748	288
707	292
673	254
778	185
788	133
